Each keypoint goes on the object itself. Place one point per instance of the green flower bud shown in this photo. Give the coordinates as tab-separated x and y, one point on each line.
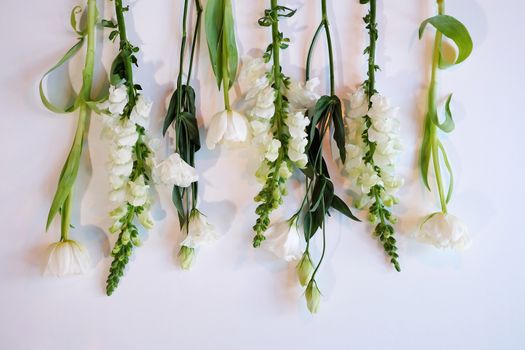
305	268
313	297
372	218
186	256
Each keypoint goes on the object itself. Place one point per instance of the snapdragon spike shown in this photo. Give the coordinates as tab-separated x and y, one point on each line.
126	117
372	146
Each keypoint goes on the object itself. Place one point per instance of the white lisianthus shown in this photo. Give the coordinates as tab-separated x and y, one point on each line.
284	240
175	171
227	127
273	150
140	113
138	192
200	232
68	258
444	231
302	95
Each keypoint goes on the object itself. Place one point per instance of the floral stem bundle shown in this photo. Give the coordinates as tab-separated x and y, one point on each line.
126	112
68	256
372	146
178	170
320	195
441	228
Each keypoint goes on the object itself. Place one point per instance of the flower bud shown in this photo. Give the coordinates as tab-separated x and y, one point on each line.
186	255
313	297
305	268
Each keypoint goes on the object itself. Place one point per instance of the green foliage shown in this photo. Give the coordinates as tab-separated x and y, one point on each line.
222	46
454	30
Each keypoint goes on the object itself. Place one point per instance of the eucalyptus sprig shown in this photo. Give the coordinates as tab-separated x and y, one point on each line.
63	198
127	112
432	148
320	195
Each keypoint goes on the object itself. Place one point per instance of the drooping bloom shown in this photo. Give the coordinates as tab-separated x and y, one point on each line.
313	297
140	113
175	171
200	232
67	258
284	240
227	127
444	231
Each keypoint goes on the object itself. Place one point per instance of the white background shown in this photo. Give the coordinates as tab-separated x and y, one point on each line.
237	297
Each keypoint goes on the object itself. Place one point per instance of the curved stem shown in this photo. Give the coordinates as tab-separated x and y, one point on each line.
311	50
198	7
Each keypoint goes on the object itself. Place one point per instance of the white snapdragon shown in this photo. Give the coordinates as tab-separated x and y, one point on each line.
67	258
273	150
200	232
117	100
138	192
384	131
444	231
284	240
303	96
140	113
175	171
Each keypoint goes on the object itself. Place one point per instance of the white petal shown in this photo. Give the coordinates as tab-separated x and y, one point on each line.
216	130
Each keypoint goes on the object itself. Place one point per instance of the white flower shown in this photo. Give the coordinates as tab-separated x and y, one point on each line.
138	192
297	123
296	151
303	96
121	155
444	231
140	113
358	104
284	240
67	258
175	171
117	100
252	70
200	232
273	150
227	127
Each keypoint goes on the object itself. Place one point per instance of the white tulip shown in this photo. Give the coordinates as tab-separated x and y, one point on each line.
67	258
444	231
200	232
227	127
175	171
284	240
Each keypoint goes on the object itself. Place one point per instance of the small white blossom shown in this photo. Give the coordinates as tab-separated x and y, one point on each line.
140	113
67	258
117	100
138	192
273	150
303	96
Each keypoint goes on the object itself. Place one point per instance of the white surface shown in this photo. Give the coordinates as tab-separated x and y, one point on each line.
237	297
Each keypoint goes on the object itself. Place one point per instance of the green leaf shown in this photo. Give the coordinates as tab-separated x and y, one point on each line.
448	124
454	30
339	128
321	107
220	35
449	169
426	150
118	70
322	194
190	124
73	20
176	197
70	53
339	205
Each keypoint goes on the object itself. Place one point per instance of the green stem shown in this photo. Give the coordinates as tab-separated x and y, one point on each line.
276	61
83	118
198	7
225	74
372	50
124	45
326	25
432	110
311	50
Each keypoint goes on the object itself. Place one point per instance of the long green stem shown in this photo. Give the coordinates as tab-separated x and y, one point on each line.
370	88
326	25
432	109
124	45
311	50
84	112
225	73
198	8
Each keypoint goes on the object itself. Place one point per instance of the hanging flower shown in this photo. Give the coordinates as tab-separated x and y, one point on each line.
284	240
140	113
313	297
138	192
200	232
303	95
227	127
444	231
67	258
175	171
117	99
